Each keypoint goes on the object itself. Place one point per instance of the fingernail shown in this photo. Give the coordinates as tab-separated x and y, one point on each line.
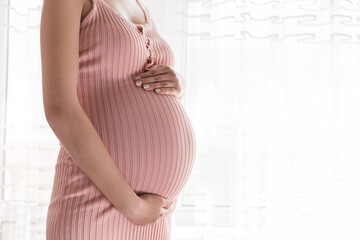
146	86
138	83
137	77
157	90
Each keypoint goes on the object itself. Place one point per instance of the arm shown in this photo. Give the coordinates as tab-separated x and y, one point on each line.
59	40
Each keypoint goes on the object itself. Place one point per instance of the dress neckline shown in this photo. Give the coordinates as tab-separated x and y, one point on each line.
147	17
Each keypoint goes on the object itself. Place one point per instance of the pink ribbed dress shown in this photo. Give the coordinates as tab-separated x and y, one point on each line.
149	135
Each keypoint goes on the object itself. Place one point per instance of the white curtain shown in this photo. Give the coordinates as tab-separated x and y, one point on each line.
274	97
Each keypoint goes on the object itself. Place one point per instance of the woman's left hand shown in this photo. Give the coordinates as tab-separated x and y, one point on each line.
162	79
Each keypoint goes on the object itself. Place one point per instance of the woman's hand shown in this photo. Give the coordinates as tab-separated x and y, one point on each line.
151	208
162	79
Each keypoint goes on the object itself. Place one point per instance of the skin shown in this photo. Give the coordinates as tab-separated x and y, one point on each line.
162	77
59	41
126	8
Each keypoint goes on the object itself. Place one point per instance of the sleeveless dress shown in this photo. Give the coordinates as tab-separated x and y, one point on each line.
148	135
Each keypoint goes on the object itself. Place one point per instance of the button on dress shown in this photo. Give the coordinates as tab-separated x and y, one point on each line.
149	135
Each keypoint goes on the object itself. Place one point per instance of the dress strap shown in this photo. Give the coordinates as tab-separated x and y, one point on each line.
141	4
90	14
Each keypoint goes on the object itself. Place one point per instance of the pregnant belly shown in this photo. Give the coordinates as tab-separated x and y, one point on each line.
149	136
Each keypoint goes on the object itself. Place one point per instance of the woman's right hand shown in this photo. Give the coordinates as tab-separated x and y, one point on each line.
150	209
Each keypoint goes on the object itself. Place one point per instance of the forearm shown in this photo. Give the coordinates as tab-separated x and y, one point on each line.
76	132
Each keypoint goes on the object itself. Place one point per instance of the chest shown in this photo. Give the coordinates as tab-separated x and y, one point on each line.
109	36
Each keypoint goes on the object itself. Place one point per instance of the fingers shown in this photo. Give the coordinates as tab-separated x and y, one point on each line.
154	75
150	84
164	212
168	207
168	90
167	203
163	84
156	70
160	78
164	87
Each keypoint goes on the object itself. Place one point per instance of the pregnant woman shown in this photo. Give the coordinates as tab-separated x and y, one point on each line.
113	99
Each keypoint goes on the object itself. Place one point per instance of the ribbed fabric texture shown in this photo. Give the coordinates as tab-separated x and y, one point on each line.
149	136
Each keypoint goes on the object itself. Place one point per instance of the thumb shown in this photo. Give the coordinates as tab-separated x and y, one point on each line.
169	209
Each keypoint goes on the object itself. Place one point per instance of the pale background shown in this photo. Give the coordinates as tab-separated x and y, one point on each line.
274	98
